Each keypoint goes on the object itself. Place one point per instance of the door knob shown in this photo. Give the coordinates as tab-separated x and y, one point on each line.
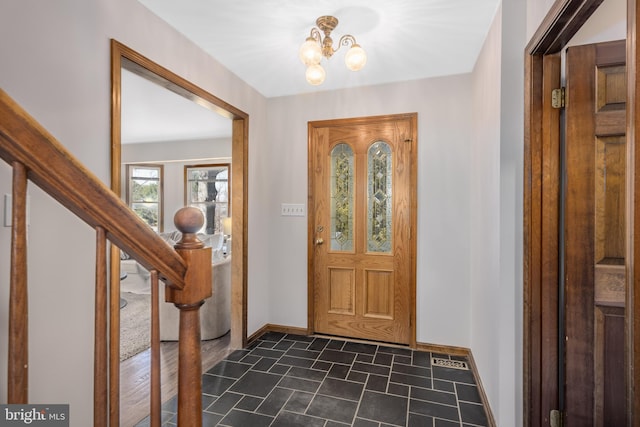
319	241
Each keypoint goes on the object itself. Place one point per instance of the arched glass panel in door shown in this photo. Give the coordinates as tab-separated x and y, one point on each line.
342	197
379	198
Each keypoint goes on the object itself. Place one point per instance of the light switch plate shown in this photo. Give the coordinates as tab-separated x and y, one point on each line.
293	209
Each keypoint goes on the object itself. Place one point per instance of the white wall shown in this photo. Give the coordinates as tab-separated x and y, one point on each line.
56	64
186	150
444	134
496	213
485	213
510	327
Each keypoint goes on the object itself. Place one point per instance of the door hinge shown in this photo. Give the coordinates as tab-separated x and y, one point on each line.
556	418
558	98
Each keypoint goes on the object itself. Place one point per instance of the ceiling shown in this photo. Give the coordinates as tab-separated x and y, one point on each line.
258	40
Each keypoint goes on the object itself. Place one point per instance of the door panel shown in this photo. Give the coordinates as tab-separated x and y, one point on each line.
378	294
362	181
595	235
342	291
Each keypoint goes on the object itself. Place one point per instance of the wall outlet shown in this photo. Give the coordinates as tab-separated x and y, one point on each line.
292	209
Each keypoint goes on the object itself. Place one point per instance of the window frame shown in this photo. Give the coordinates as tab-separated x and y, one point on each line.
187	193
129	171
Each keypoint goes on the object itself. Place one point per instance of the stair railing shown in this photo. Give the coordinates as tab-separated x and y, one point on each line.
36	156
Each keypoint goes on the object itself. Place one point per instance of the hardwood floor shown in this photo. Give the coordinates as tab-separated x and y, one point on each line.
134	376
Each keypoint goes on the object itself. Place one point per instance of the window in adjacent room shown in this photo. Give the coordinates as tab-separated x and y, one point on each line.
144	193
207	188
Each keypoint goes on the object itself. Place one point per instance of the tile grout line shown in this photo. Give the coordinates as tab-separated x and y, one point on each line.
358	372
315	393
364	386
455	387
408	415
294	391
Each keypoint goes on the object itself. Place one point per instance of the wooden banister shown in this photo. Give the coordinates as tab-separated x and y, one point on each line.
101	352
55	170
198	288
155	402
18	378
186	270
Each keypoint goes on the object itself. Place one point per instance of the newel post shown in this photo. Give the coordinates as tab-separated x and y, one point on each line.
197	288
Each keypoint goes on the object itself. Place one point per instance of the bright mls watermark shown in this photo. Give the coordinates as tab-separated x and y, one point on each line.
34	415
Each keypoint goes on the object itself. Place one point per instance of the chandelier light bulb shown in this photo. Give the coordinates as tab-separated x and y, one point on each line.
310	52
315	74
355	58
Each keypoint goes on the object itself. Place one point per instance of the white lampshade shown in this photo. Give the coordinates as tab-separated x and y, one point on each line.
226	225
315	74
310	52
355	58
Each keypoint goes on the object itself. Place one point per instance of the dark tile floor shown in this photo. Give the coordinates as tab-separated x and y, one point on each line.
291	380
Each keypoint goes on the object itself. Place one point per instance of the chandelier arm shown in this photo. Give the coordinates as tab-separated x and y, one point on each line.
345	40
315	34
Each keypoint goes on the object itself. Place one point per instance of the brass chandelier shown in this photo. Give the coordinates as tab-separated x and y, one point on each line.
315	47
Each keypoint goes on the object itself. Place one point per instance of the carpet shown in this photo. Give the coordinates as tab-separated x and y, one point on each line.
135	324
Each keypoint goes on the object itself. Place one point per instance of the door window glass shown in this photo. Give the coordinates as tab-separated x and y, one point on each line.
342	198
379	203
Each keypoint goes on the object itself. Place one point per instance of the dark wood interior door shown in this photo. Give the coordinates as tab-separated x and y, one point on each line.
595	234
362	225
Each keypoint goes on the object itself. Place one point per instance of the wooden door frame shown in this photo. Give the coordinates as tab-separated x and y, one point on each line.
123	56
542	208
413	221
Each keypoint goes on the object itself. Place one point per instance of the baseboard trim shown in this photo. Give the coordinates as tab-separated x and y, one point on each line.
438	348
483	396
433	348
270	327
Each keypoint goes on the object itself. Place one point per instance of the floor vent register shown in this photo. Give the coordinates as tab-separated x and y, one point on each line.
448	363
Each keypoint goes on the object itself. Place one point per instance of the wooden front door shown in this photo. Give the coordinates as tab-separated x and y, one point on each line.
362	226
595	235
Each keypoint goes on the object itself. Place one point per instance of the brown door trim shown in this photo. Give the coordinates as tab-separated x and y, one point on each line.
541	202
412	245
632	317
125	57
541	207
